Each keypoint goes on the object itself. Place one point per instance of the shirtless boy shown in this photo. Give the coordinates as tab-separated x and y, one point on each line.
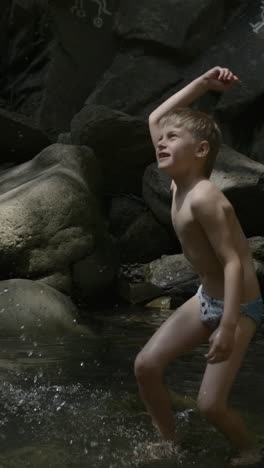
227	308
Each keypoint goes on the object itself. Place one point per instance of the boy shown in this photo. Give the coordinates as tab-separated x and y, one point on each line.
227	307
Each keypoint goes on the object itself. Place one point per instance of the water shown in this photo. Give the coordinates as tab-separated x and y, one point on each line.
73	402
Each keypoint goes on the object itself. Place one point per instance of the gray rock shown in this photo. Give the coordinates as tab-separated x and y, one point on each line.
121	142
170	275
257	150
20	138
30	309
48	72
145	240
123	211
257	249
50	215
240	178
186	27
135	82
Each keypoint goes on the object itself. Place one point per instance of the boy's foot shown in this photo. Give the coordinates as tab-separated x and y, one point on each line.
157	450
248	457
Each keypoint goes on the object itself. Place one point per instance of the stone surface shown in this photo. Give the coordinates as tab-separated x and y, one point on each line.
50	217
121	142
30	309
20	138
186	27
169	275
145	240
48	72
135	81
240	178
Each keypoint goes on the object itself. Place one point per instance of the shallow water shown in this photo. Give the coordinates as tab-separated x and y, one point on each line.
73	402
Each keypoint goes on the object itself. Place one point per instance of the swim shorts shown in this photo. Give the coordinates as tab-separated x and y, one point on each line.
212	309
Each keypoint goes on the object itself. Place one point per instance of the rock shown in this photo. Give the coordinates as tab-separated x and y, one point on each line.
50	216
170	275
48	74
238	43
135	82
121	142
240	178
185	27
257	249
157	195
20	138
123	211
144	240
30	309
257	150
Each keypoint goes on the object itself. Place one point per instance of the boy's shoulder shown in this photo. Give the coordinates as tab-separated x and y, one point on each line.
206	194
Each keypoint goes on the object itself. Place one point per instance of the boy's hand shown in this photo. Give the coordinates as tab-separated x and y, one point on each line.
219	79
221	345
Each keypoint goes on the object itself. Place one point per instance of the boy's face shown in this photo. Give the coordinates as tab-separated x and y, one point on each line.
176	150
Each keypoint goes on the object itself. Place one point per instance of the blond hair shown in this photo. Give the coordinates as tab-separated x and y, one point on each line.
201	126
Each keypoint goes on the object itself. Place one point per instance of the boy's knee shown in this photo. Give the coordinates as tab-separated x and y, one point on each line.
210	409
146	366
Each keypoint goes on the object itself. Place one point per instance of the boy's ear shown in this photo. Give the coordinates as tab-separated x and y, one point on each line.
202	149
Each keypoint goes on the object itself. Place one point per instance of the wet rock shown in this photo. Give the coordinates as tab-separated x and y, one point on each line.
186	27
28	308
51	218
20	138
170	275
240	178
121	142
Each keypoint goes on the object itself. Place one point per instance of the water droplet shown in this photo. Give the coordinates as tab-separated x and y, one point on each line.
82	364
93	443
30	353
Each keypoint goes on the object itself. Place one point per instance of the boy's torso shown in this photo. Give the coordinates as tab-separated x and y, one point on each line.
199	252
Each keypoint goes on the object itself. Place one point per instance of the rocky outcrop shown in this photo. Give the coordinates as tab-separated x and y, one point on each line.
49	66
51	221
121	142
20	138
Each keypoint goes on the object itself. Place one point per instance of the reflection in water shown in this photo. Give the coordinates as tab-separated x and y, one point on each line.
73	403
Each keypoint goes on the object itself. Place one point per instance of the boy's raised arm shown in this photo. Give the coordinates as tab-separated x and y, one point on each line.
216	79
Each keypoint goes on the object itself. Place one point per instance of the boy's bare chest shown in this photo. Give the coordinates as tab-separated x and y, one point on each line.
183	221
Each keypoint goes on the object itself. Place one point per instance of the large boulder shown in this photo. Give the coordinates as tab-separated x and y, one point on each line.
20	138
240	178
185	27
30	309
134	81
50	218
47	72
121	142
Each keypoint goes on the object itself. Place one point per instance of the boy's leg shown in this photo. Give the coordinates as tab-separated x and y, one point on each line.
181	332
216	386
